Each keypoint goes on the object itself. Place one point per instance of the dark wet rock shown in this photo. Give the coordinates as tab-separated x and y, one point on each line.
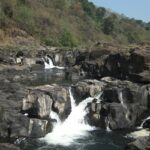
146	124
37	104
142	143
13	125
87	88
60	97
7	58
121	103
20	54
97	115
7	146
133	66
38	128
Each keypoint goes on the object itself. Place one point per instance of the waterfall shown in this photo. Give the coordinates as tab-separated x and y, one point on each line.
73	128
107	125
124	105
48	63
55	116
121	100
73	103
141	126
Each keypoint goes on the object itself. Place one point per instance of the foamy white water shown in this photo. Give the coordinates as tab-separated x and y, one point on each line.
141	126
121	100
55	116
49	64
73	127
107	126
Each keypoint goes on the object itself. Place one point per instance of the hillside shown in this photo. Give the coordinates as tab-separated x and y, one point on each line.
65	23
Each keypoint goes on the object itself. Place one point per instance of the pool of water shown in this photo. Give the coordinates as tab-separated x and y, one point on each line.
96	140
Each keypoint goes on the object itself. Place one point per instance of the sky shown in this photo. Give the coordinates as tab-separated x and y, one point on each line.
138	9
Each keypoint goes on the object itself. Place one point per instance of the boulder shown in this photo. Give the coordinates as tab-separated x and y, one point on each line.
7	146
37	104
146	124
87	88
60	97
14	125
38	128
142	143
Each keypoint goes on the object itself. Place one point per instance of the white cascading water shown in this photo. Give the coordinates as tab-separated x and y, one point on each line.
50	65
121	100
124	105
73	127
141	132
55	116
141	126
107	126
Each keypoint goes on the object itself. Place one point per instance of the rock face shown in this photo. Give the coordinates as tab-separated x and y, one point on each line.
132	66
38	128
37	104
60	97
6	146
146	124
25	112
139	144
118	104
121	103
87	88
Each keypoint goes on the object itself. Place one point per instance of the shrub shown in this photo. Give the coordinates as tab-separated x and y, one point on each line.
133	37
66	39
48	41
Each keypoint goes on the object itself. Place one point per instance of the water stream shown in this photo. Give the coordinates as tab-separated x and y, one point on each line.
73	127
48	63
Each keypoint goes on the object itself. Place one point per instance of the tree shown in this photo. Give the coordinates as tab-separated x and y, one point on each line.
88	7
7	7
108	25
100	13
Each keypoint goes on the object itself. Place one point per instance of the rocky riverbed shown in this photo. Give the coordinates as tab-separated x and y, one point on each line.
29	93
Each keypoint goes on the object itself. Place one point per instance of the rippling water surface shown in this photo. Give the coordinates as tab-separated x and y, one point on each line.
96	140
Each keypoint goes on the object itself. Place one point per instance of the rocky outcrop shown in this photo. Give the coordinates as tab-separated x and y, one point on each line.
140	144
13	124
60	97
7	146
37	104
117	104
39	128
87	88
132	65
25	112
146	124
120	105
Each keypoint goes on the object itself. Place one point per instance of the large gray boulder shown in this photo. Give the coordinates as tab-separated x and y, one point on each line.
37	104
87	88
60	99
